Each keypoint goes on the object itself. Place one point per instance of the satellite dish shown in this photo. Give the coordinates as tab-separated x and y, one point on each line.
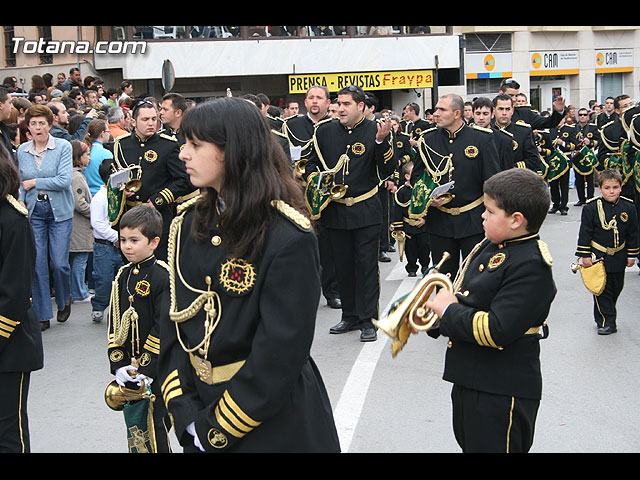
168	75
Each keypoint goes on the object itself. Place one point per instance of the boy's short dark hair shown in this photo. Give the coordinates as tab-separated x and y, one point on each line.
105	170
520	190
610	174
144	217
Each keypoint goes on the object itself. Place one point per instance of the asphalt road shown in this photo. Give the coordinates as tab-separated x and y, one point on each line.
390	405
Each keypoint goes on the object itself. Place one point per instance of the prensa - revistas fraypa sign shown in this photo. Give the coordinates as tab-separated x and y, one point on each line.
365	80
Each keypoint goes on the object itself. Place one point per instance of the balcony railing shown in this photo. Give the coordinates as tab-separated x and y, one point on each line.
175	33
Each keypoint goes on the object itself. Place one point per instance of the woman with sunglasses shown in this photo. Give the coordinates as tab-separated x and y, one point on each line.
235	362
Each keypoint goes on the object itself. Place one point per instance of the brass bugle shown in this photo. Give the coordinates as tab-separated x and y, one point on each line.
575	267
116	396
299	166
410	312
135	183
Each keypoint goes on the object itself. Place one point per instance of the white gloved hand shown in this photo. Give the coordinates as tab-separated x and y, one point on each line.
140	377
191	429
122	375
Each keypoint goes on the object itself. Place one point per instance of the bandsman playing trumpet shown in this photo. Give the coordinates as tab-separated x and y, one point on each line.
495	317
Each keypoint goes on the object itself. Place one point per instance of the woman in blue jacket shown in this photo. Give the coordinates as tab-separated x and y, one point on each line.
46	168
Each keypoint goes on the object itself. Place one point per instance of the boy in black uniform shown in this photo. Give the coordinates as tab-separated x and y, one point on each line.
497	317
416	246
134	332
609	230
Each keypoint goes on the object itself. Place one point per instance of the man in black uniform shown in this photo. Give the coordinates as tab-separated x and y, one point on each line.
608	114
587	136
21	349
525	113
164	177
483	117
563	138
467	155
172	109
412	123
614	136
361	151
524	147
299	132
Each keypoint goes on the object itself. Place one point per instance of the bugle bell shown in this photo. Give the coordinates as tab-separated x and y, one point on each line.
135	179
410	312
116	396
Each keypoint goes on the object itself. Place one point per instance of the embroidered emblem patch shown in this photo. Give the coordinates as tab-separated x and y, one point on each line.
150	156
624	216
496	260
471	151
145	359
217	439
237	276
143	288
116	356
358	148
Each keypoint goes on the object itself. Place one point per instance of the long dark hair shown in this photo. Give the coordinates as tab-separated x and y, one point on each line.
256	171
9	176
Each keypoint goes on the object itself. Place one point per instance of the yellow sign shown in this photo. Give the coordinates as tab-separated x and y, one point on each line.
365	80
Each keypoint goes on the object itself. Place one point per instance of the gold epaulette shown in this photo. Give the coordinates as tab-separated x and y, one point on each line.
591	199
17	205
482	129
163	264
429	130
627	199
316	125
124	135
168	137
506	132
544	251
280	134
188	204
297	218
523	123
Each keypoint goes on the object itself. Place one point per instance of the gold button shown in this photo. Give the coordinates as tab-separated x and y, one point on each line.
207	280
449	344
466	293
481	267
216	240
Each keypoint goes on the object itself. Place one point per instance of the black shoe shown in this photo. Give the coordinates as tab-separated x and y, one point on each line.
343	327
44	325
413	274
63	315
564	211
607	330
391	249
334	303
383	257
579	203
368	334
554	209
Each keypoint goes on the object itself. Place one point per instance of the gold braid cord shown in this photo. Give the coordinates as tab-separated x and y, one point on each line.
208	299
436	173
119	323
611	225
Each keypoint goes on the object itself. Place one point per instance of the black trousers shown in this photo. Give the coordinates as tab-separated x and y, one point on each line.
14	422
560	191
355	254
489	423
604	305
584	186
385	234
327	267
417	251
459	248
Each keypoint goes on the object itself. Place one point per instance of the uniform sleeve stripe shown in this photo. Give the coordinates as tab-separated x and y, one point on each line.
233	406
481	330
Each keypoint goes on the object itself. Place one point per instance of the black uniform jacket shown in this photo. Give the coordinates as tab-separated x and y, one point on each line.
525	151
400	219
533	118
505	145
588	131
494	330
264	392
299	131
402	147
612	227
20	337
475	159
164	176
369	163
146	283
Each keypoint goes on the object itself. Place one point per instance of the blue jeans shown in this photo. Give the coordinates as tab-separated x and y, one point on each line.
107	260
78	261
52	237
